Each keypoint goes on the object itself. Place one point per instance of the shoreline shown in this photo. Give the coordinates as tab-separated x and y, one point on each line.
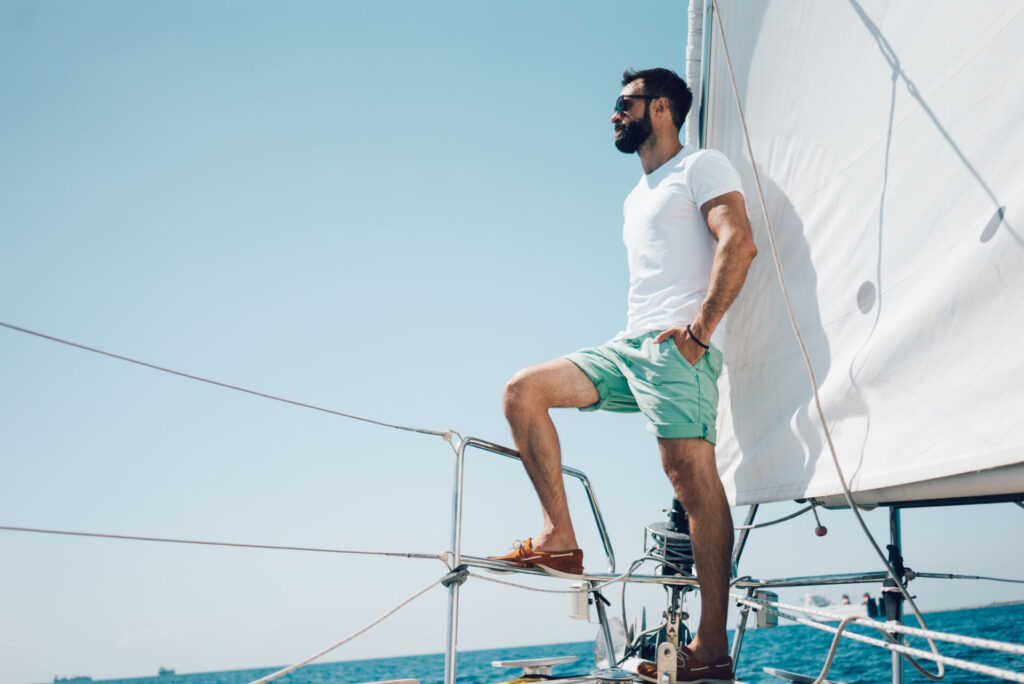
997	604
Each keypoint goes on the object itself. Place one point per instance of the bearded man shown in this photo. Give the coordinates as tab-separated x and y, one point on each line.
689	246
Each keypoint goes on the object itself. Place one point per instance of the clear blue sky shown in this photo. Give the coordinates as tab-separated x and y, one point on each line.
384	208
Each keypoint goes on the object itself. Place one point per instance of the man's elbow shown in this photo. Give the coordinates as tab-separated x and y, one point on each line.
751	248
743	247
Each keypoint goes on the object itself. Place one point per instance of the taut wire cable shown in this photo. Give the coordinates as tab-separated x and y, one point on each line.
444	434
443	557
950	575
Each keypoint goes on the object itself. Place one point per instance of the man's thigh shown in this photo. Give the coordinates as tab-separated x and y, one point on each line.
558	383
689	463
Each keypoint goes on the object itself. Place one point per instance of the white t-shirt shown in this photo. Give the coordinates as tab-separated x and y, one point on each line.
668	244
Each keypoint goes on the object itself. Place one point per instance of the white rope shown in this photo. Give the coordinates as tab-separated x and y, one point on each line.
280	673
525	586
595	587
978	642
991	644
905	651
806	355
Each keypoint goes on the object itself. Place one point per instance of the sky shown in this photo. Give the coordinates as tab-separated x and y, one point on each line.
381	208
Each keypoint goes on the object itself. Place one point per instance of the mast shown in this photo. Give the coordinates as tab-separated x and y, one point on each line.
695	68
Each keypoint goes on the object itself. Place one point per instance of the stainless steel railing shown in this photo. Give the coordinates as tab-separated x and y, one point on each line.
453	587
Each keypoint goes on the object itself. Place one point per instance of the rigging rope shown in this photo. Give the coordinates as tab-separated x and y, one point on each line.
280	673
443	557
777	607
591	588
807	357
444	434
887	628
776	521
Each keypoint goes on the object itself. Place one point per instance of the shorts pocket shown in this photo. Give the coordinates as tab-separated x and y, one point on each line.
674	351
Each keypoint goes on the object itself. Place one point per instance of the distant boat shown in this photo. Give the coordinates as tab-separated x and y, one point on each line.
838	610
165	671
80	678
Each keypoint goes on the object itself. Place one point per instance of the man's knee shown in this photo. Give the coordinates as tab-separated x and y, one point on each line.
691	468
520	392
553	384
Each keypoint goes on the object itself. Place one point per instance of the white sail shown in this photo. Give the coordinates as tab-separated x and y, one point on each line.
889	143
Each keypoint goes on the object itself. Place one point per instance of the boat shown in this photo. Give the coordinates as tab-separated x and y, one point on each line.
861	117
164	671
838	611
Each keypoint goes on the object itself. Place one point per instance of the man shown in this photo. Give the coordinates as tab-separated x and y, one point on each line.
689	246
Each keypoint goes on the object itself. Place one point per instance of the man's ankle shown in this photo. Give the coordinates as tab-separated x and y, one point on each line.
708	654
550	542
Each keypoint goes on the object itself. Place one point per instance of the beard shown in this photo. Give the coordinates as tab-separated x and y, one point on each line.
632	135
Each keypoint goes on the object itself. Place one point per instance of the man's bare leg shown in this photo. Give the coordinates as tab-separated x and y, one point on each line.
528	396
690	466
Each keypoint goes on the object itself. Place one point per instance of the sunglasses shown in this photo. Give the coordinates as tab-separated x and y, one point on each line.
622	103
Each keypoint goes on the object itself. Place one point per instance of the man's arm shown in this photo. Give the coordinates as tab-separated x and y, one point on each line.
726	216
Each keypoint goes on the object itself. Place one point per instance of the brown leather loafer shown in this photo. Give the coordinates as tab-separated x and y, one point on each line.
692	670
525	556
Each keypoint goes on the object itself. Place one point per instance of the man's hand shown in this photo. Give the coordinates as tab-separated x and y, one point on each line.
690	350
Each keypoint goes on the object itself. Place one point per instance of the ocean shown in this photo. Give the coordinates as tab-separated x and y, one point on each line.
788	647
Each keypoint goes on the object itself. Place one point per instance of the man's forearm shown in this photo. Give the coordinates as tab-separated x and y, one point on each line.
728	272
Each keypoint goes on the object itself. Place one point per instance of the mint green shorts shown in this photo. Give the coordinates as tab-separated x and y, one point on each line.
635	375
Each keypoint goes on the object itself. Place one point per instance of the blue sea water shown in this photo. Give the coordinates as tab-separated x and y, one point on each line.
791	647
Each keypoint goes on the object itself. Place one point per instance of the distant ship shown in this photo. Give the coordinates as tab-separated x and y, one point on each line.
165	671
57	679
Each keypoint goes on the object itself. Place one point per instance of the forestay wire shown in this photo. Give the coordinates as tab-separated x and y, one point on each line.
443	556
444	434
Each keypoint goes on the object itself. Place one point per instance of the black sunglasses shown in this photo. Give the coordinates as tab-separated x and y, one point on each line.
622	103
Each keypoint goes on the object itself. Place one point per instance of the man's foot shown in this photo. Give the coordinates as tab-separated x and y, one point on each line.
692	670
525	556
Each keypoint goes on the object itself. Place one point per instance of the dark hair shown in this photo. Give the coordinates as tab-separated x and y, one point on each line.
664	83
